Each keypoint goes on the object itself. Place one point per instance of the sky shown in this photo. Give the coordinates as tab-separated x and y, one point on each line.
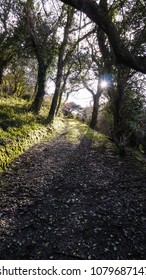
82	98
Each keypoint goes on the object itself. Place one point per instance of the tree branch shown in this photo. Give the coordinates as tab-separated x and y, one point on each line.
97	14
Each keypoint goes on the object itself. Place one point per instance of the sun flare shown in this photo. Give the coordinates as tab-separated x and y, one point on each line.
104	84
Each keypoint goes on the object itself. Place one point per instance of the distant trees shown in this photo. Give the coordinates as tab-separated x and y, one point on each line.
68	48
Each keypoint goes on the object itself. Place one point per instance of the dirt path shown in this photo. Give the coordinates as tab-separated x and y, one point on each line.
72	201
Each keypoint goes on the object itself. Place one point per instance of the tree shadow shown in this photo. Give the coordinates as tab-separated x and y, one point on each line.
64	200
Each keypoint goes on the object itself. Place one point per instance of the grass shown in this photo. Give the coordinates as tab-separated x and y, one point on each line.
77	131
20	129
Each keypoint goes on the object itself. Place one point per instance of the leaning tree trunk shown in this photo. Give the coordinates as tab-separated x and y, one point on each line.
37	103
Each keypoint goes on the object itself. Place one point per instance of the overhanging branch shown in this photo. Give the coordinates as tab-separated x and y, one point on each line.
98	16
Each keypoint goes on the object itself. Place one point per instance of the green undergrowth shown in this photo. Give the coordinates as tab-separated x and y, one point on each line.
78	131
20	129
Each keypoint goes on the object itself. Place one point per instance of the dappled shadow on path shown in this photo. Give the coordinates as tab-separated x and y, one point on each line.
72	201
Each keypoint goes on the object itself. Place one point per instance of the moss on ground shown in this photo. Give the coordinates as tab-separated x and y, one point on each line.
20	129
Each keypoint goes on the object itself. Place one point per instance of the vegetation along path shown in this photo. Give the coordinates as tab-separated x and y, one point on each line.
73	198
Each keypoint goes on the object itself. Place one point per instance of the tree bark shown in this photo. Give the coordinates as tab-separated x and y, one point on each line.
98	15
94	117
59	102
51	115
118	133
37	103
117	96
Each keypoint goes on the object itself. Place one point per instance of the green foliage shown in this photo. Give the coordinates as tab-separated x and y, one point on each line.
131	119
20	129
131	109
132	113
17	79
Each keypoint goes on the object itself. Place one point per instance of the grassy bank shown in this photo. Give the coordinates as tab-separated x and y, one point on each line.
78	131
20	129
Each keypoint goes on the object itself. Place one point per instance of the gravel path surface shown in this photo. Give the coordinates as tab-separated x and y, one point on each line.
72	201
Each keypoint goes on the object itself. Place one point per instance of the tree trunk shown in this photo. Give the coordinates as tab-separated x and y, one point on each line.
62	89
1	73
60	66
118	134
52	111
37	103
116	116
59	102
93	122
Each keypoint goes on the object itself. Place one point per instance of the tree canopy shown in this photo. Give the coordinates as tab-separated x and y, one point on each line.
96	11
